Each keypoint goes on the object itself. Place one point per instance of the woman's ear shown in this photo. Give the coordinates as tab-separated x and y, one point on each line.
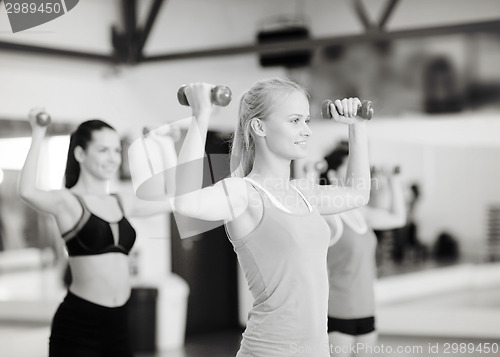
79	153
257	126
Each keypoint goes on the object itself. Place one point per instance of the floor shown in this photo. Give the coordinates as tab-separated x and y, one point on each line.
470	316
21	340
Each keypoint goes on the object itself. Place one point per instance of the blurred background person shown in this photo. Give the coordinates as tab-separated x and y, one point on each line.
351	259
93	318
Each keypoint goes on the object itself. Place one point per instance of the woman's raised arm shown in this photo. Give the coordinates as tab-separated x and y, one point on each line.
46	201
226	199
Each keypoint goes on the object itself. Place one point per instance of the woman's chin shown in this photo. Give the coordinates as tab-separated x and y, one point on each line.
301	154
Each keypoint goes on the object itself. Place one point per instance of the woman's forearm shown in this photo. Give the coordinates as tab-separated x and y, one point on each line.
358	167
189	172
28	177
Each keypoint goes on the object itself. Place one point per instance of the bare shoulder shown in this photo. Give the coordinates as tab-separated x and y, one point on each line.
67	200
305	185
234	182
61	203
241	192
235	187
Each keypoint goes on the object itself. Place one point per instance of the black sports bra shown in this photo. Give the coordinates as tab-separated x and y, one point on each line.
93	235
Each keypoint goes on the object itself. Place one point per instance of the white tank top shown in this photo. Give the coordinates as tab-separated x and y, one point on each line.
284	262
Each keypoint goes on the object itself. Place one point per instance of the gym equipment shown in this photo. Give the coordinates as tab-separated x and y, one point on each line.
365	111
220	95
321	166
396	170
43	119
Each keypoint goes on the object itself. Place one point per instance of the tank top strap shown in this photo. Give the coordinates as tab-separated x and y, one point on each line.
309	206
267	194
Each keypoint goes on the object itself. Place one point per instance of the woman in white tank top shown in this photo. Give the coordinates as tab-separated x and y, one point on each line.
274	223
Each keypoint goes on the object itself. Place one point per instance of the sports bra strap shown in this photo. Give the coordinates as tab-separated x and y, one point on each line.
119	200
83	219
82	202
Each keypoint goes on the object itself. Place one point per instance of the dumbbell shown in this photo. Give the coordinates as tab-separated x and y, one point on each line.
43	119
220	95
394	170
321	166
365	111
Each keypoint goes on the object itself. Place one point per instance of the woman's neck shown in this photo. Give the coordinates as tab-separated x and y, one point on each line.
276	176
90	186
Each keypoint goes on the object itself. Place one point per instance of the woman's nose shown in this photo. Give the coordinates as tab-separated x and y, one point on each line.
306	130
115	157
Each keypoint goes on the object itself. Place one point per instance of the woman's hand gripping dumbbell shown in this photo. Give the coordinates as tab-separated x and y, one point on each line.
364	109
219	95
40	116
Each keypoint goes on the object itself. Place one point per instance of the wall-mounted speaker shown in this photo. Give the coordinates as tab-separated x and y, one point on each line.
286	58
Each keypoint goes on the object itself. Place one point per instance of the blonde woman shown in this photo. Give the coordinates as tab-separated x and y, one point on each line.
274	223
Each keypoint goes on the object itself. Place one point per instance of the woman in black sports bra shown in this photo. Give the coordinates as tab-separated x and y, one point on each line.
92	319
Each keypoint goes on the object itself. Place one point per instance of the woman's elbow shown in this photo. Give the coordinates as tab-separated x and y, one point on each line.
400	222
362	198
24	194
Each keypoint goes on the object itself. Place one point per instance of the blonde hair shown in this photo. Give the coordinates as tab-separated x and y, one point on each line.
258	102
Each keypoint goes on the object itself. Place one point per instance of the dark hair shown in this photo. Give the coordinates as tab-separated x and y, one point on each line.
335	159
80	137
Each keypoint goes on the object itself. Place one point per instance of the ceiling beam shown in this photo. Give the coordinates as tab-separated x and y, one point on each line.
16	47
391	4
131	36
361	12
153	12
311	44
486	26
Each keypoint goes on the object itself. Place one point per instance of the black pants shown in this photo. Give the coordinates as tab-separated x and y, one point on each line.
81	328
352	327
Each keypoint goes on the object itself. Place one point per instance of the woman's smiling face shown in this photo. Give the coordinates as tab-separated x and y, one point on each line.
102	157
287	128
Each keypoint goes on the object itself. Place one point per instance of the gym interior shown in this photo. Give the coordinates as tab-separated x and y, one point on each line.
430	69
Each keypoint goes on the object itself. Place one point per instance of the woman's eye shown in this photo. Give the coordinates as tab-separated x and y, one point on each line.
308	121
296	120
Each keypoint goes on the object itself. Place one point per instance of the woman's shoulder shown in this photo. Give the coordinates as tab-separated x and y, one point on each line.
65	202
238	187
304	184
234	182
233	185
